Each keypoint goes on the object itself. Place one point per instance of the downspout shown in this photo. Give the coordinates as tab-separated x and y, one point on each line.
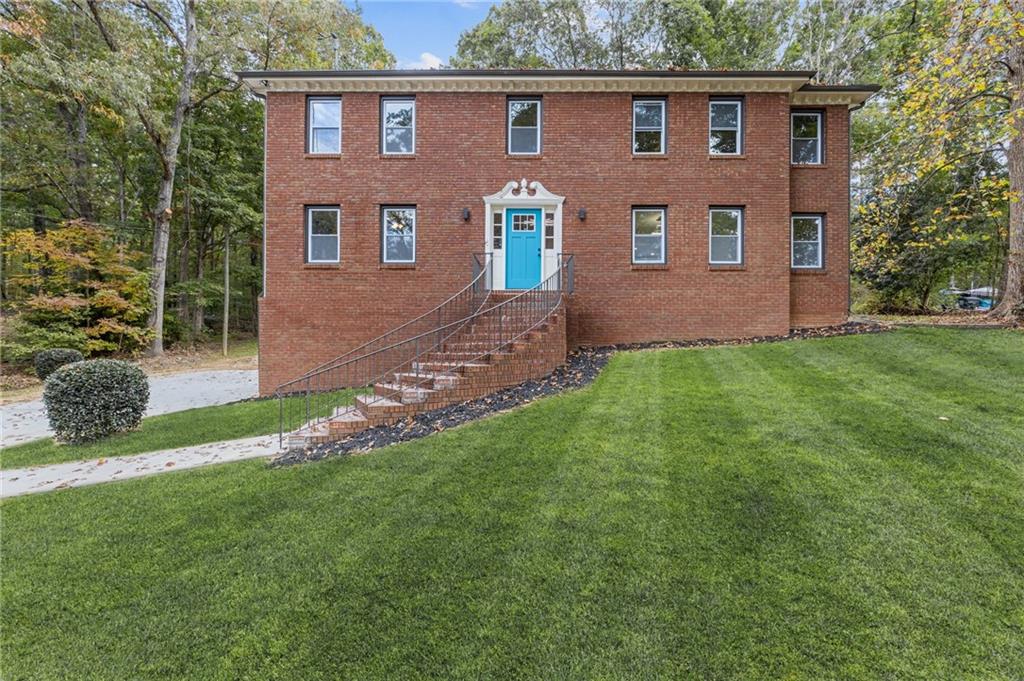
849	203
263	246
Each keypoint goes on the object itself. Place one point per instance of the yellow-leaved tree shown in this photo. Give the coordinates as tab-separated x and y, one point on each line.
961	98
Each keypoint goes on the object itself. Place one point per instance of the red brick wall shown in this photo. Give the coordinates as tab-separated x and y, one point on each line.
821	297
311	314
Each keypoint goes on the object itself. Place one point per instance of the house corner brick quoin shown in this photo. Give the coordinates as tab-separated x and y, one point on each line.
693	204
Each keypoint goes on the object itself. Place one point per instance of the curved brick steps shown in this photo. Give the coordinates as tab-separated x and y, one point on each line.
465	367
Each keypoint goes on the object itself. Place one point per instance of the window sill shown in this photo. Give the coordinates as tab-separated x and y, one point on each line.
808	271
648	266
810	166
321	266
322	156
396	157
727	157
523	157
724	267
650	157
397	266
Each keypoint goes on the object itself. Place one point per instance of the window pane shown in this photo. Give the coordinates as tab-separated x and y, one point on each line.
524	141
725	249
805	229
323	248
645	142
805	126
805	151
805	255
647	115
398	140
398	247
647	248
324	221
648	221
398	114
523	223
325	114
325	140
725	115
723	142
725	222
523	114
399	220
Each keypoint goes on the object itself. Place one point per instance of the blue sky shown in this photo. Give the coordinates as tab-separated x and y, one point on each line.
423	33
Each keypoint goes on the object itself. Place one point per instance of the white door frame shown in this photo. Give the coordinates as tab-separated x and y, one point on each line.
522	194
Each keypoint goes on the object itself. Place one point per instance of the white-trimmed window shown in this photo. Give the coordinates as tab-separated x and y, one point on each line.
398	125
807	239
725	236
323	121
398	226
649	126
323	234
805	129
496	222
549	231
524	124
725	124
648	235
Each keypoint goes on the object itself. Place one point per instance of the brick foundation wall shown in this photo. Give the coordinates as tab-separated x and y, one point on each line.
312	313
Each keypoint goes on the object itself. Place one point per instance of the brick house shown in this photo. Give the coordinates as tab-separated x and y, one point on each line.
692	204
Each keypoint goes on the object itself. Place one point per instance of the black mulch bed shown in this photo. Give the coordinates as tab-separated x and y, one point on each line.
581	368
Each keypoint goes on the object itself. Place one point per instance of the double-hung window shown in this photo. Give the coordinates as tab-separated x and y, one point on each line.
524	125
323	234
323	122
725	236
398	228
807	240
648	235
398	125
725	124
805	148
649	126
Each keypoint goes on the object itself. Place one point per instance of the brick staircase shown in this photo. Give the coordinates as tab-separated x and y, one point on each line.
483	355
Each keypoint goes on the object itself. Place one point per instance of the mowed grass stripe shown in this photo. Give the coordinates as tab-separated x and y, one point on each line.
754	512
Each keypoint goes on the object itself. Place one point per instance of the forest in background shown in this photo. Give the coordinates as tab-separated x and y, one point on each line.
132	158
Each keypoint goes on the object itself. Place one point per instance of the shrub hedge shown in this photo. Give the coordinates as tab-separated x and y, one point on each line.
48	361
90	400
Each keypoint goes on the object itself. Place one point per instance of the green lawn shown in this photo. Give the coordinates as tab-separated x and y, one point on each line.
841	508
167	431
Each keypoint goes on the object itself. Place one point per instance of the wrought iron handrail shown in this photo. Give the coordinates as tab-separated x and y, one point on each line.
480	283
505	322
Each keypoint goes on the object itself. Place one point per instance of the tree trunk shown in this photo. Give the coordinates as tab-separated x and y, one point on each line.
227	290
165	196
1012	303
198	310
77	151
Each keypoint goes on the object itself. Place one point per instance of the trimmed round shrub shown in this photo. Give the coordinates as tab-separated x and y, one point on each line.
90	400
48	361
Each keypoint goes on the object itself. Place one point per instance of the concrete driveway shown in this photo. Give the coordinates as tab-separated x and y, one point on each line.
24	421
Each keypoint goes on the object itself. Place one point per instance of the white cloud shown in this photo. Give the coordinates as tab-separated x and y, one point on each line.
427	60
468	4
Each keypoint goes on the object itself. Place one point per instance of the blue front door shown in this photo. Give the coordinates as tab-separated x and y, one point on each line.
522	251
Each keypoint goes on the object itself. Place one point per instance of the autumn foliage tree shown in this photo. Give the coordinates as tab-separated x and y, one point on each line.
958	102
77	287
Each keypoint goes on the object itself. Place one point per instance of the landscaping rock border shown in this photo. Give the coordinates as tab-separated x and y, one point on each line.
581	368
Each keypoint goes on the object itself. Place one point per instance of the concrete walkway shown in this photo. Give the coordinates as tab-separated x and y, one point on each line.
19	481
24	421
